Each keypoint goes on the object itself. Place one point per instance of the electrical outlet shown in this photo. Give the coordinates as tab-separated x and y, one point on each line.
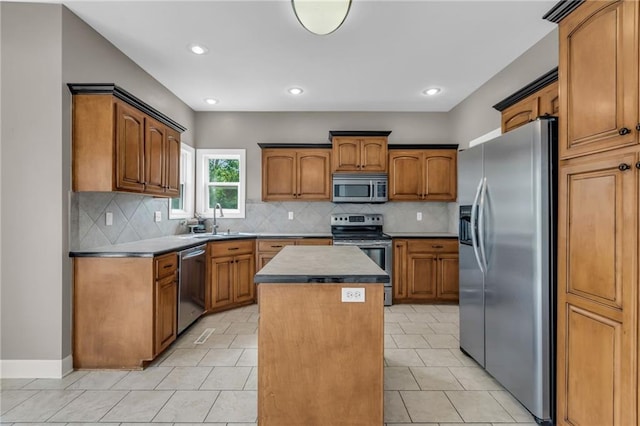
353	294
419	216
290	215
108	218
157	216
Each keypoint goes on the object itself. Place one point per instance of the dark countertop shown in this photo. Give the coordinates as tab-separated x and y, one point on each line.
321	264
422	235
157	246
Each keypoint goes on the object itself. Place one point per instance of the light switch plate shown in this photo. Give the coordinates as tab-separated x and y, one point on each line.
157	216
108	218
419	216
353	294
290	215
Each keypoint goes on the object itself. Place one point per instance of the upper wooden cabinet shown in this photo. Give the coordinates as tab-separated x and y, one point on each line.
359	151
599	63
122	144
296	174
423	174
539	98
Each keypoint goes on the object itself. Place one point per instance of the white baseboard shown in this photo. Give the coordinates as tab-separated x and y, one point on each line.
35	368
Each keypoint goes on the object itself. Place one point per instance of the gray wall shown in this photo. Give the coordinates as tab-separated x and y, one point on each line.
246	129
43	47
33	192
474	116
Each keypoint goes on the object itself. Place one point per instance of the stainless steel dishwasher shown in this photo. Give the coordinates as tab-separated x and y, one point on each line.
191	285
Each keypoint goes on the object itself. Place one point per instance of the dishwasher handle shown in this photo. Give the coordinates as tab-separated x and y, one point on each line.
193	254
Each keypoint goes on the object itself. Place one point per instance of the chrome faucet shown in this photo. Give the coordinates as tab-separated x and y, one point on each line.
214	227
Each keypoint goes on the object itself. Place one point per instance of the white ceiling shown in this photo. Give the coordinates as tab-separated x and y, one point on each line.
381	59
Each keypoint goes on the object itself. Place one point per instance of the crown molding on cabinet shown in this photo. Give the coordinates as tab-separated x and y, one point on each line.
529	89
123	95
364	133
563	8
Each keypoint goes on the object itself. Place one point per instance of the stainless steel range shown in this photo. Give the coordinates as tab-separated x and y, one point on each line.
364	230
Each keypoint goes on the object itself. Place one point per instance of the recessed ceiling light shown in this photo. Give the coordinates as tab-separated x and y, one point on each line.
198	49
211	101
296	91
432	91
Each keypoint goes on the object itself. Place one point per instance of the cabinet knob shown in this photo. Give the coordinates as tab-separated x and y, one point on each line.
623	166
624	131
638	127
638	165
437	246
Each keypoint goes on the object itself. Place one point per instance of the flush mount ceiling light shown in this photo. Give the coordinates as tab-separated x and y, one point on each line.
432	91
295	91
321	17
198	49
211	101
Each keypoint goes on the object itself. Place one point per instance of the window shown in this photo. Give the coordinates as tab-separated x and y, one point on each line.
221	179
182	207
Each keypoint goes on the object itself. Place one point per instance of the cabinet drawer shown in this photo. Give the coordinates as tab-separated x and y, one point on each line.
433	245
273	245
166	265
231	248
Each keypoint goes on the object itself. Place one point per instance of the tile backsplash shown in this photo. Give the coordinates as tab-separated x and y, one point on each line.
133	218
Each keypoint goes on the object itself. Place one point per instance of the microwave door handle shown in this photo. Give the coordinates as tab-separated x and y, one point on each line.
371	189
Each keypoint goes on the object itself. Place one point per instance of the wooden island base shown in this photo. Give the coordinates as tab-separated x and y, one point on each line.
320	360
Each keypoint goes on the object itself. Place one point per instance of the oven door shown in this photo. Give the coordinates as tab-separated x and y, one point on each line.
380	253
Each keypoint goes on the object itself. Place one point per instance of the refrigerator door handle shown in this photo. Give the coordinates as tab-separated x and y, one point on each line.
481	208
474	216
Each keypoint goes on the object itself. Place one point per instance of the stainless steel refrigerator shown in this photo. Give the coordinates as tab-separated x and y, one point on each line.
506	192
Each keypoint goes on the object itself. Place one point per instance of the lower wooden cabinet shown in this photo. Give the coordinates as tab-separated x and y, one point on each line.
165	302
124	310
268	248
425	270
231	267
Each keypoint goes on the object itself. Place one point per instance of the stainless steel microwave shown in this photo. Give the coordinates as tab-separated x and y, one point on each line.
359	188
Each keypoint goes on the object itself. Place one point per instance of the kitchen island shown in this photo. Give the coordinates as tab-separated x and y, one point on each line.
320	338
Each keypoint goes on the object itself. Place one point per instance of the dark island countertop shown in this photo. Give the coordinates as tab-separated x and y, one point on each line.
321	264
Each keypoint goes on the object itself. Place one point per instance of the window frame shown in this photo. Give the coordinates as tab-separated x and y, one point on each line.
187	178
202	185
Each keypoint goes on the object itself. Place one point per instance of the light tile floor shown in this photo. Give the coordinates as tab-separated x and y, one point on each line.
428	381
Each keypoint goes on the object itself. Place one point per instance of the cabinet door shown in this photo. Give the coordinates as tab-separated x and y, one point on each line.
244	271
129	148
399	269
373	155
549	103
314	174
154	156
166	307
278	174
421	276
440	175
597	291
521	113
447	276
264	258
221	281
172	165
599	63
346	154
405	175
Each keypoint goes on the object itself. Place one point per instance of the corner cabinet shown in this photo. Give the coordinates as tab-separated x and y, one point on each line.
231	267
291	174
124	310
423	174
425	270
359	151
122	144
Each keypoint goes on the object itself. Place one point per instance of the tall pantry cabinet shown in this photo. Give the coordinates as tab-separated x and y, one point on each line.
598	209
